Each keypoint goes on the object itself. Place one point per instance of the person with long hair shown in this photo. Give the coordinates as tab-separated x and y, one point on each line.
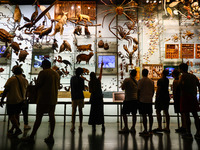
162	101
96	99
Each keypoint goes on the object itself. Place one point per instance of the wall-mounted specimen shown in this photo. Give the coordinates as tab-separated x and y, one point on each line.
119	10
17	14
131	26
87	32
22	55
78	30
84	57
85	71
5	36
46	31
55	45
60	25
1	69
130	54
65	46
15	47
84	47
188	35
42	8
106	46
101	44
82	17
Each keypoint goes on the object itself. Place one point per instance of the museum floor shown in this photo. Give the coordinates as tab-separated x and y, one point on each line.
110	140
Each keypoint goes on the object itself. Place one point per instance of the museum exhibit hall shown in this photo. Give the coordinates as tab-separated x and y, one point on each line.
112	38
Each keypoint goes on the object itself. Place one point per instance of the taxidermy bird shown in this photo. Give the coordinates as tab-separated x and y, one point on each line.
42	8
17	14
35	14
46	31
39	28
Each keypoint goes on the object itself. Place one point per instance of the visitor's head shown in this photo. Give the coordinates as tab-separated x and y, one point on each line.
165	72
183	67
79	71
93	75
46	64
133	73
175	73
145	72
17	70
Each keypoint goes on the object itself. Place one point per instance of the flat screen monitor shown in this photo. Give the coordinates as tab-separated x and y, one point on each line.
108	61
170	69
2	49
38	60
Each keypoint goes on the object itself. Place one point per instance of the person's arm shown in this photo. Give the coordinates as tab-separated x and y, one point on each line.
101	71
3	96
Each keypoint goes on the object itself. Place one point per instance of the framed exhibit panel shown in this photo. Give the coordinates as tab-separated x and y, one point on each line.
197	51
118	96
187	50
155	70
171	51
110	63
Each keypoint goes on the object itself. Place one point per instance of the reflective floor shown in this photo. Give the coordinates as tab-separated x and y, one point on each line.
87	140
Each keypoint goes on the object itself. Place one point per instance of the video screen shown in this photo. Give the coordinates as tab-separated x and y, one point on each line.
108	61
2	50
170	69
38	60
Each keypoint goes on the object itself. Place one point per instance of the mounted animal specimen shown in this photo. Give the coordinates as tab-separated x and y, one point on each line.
78	30
31	24
131	26
17	14
87	32
46	31
16	47
65	46
188	35
123	34
5	36
82	17
130	54
84	47
106	46
55	45
22	55
118	11
84	57
101	44
59	26
42	8
85	71
39	28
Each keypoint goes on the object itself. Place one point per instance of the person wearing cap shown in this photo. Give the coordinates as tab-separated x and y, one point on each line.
47	85
77	88
130	104
15	90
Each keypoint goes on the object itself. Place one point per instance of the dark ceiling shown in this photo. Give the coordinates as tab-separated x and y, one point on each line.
30	2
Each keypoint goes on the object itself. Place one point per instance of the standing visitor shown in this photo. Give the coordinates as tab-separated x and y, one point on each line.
96	99
176	97
130	104
188	101
47	86
162	101
15	90
145	95
77	88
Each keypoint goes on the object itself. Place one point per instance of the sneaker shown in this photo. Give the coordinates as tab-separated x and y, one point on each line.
17	132
132	130
197	136
157	130
27	127
180	130
144	133
49	140
187	136
166	130
124	131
